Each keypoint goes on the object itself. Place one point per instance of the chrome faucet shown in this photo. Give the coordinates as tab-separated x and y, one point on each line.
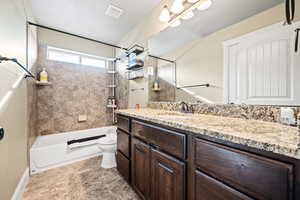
184	107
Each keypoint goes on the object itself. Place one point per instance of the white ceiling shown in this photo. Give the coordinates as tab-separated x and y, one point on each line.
221	14
87	17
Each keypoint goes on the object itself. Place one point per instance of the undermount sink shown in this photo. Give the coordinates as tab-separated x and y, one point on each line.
174	115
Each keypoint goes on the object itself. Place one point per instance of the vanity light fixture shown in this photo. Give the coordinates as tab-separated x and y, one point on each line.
182	9
177	6
205	5
176	23
188	15
165	15
192	1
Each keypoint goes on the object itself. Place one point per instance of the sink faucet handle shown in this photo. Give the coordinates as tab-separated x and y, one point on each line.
184	107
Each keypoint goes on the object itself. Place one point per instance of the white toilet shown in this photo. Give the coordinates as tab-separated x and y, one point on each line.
108	146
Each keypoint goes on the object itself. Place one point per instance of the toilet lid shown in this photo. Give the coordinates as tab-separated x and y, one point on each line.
108	140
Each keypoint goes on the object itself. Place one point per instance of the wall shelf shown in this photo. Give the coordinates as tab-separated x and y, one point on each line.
111	106
39	83
111	86
137	49
156	90
111	72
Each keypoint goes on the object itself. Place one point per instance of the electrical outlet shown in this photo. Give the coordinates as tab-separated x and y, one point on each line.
287	116
82	118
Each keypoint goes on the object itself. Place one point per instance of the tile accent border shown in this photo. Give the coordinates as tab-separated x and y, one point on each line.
255	112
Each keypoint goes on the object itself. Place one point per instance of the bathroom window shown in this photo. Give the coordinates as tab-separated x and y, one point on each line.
62	55
94	62
68	56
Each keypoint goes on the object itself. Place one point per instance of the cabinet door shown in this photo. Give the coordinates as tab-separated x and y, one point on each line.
167	177
123	166
140	168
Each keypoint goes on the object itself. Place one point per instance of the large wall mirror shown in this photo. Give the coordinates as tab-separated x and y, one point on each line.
229	55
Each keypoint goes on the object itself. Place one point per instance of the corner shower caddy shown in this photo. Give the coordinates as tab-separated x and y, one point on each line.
112	86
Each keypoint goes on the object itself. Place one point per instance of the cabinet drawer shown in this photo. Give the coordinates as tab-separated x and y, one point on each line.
210	189
123	123
123	166
123	143
167	140
257	176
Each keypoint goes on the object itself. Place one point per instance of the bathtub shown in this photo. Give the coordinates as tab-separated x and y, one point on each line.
51	151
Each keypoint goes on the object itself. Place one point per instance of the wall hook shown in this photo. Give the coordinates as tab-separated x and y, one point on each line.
28	75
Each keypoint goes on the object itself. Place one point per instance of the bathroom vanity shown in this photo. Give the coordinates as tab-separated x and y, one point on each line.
198	157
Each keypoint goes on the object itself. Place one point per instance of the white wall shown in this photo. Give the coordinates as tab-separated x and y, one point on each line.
13	117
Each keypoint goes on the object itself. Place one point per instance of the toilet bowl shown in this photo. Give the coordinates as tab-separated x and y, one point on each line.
108	146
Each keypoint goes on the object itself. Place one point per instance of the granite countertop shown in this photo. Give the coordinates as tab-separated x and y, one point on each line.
262	135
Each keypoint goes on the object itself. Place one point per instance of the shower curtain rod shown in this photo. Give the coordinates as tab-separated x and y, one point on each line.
192	86
93	40
159	58
72	34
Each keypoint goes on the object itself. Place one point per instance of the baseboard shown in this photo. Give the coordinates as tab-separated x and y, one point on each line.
36	170
21	186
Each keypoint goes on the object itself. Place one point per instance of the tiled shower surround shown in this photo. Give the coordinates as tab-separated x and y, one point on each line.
31	108
256	112
75	90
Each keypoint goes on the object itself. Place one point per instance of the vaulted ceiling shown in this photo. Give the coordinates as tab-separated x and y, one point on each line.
87	17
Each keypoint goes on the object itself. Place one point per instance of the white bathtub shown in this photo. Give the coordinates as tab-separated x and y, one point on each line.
51	151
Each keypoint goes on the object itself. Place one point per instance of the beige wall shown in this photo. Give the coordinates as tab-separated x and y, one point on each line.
13	115
13	148
64	41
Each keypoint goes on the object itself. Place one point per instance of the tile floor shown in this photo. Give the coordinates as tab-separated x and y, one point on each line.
84	180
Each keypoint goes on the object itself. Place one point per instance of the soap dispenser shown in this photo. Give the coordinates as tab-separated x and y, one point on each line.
44	76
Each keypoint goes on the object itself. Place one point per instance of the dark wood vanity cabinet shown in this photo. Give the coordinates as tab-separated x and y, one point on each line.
163	163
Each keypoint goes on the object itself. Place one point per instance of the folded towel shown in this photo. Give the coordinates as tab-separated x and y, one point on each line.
83	142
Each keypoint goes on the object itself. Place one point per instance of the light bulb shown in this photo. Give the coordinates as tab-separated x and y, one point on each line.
205	5
192	1
188	15
165	15
176	23
177	7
